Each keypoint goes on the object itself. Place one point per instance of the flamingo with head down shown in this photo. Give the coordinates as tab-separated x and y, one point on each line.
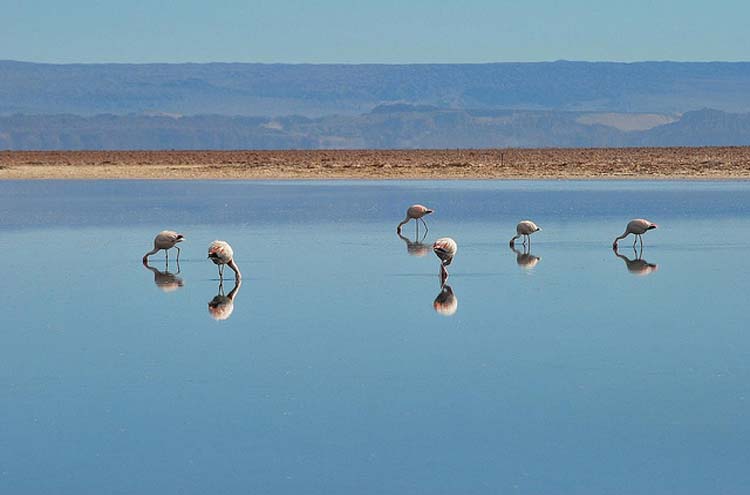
445	249
166	240
637	227
415	212
220	252
524	228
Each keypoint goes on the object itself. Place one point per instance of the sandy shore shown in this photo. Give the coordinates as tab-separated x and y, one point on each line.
619	163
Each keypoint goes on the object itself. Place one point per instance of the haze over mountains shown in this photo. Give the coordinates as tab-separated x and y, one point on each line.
277	106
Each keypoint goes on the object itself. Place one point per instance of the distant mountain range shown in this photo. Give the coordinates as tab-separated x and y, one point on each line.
220	106
397	126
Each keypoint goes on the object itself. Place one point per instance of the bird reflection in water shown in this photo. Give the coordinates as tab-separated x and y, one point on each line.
446	302
637	265
524	258
166	280
222	306
415	248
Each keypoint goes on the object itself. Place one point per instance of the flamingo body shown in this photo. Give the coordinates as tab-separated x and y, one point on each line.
524	228
637	227
166	240
445	248
415	212
221	253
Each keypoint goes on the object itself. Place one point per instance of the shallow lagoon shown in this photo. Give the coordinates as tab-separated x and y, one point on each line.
335	374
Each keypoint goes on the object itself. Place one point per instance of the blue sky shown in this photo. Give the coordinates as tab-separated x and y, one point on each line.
388	31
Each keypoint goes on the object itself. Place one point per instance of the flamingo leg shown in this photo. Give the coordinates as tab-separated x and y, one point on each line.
635	240
426	229
641	238
166	253
178	253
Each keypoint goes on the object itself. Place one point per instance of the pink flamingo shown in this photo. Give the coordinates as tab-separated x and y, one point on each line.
416	212
637	227
220	252
524	228
166	240
445	248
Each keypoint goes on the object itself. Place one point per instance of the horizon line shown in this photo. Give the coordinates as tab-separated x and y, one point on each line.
394	64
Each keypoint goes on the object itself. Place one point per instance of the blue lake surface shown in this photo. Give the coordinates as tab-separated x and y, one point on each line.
332	372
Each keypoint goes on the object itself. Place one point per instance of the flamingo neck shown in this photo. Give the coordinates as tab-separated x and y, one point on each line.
622	236
153	251
236	269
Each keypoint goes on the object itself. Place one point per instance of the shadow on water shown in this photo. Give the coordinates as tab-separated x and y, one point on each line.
222	306
637	265
524	258
165	280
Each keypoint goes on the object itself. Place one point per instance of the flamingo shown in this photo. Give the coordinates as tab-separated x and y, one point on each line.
220	252
416	212
524	228
637	227
166	240
445	248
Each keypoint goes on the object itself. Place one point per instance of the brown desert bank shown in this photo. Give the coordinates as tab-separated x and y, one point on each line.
589	163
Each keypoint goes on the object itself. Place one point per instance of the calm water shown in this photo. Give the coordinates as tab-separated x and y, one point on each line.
334	374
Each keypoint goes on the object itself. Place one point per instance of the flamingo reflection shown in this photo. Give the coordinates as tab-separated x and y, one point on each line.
446	302
166	280
222	306
416	248
524	258
637	265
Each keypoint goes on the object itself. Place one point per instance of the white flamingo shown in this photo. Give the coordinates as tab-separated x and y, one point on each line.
415	212
166	240
220	252
637	227
524	228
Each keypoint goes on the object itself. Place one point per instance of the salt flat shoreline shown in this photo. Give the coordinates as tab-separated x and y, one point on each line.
707	163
